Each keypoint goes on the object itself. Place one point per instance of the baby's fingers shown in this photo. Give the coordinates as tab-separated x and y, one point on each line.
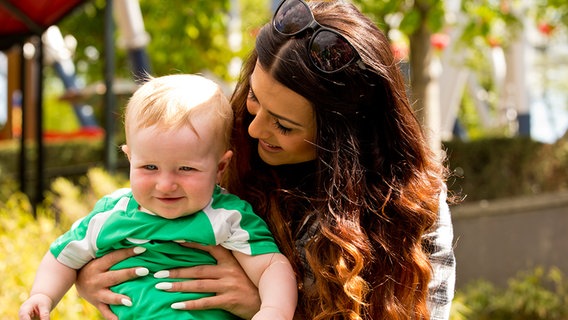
36	307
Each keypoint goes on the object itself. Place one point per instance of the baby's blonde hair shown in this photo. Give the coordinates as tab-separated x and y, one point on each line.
173	101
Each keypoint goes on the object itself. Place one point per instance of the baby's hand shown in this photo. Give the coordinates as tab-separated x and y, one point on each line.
38	306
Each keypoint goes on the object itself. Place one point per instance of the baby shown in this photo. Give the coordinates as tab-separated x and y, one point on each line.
177	141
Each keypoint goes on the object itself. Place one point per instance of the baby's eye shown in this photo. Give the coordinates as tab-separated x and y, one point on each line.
186	168
150	167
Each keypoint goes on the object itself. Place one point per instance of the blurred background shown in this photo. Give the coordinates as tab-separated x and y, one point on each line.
488	79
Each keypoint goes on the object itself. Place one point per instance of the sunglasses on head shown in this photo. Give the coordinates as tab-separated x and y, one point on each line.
329	51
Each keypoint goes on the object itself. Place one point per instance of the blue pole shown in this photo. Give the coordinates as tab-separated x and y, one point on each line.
84	112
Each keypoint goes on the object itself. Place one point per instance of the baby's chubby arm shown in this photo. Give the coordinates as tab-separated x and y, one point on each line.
276	282
52	281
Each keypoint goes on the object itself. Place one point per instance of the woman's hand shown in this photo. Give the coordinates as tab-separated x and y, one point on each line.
234	291
95	279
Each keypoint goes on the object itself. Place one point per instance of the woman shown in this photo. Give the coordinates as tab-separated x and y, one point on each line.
329	153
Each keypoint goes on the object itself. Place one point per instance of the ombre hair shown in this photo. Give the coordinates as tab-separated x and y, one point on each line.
376	183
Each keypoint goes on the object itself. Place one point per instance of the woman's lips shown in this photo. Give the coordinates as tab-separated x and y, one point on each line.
268	147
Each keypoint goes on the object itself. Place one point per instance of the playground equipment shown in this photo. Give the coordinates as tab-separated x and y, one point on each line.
30	21
58	55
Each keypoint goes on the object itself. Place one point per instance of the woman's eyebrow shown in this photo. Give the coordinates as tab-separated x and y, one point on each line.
283	118
274	114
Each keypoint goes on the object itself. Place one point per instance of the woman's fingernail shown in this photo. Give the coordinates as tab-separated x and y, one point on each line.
178	305
164	286
142	272
139	250
126	302
162	274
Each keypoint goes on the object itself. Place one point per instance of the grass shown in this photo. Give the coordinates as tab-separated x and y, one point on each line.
24	239
23	242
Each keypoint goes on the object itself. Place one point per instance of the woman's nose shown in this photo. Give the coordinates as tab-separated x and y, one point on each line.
258	126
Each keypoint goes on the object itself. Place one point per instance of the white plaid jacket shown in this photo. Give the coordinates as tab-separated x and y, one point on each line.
442	259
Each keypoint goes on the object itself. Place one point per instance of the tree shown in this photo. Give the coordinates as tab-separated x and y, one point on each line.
551	14
418	20
185	37
192	36
427	25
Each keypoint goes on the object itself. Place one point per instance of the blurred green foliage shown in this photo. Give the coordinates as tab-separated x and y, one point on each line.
23	242
552	12
73	199
409	14
185	36
192	36
57	154
493	168
534	295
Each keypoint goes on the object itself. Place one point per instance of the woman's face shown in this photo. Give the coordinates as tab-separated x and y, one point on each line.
284	121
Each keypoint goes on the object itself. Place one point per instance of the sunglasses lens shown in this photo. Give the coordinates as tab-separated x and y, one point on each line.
330	52
292	17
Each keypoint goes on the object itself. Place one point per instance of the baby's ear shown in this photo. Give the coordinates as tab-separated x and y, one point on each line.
126	151
223	164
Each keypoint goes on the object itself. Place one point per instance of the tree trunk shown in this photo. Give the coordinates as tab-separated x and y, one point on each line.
425	70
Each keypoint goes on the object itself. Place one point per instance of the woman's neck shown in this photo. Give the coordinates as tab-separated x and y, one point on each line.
299	176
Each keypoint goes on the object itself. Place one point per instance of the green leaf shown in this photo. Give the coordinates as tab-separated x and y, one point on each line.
411	21
436	17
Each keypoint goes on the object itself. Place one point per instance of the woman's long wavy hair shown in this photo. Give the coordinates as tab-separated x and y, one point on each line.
376	182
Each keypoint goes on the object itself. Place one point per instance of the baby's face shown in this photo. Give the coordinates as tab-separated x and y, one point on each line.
172	173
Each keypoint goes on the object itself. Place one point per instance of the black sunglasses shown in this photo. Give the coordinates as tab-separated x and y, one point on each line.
329	51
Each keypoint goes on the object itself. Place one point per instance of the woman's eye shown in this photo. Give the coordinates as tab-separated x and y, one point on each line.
251	96
252	102
281	128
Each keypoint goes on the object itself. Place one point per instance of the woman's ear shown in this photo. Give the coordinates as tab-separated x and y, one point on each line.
223	164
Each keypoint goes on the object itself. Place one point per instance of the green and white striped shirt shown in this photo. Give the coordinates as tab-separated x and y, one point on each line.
116	222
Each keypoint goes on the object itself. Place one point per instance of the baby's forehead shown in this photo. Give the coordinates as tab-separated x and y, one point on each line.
202	125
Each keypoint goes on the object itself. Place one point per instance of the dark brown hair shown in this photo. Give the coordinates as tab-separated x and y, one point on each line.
373	189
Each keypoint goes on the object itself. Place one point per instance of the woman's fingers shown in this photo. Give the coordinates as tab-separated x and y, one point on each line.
219	253
110	259
197	272
114	277
107	297
95	279
234	291
201	285
226	265
237	303
106	312
97	270
212	302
